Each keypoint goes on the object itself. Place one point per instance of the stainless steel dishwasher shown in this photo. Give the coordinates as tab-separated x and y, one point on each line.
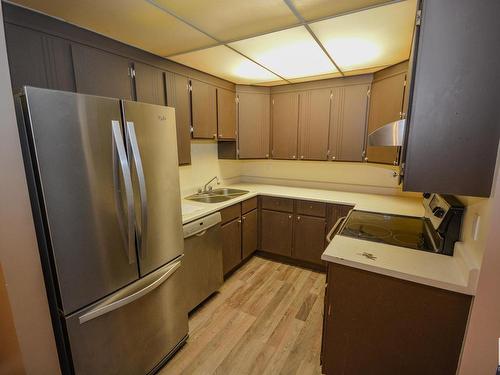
202	259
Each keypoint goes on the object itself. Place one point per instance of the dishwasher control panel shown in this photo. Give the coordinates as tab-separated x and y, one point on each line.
200	225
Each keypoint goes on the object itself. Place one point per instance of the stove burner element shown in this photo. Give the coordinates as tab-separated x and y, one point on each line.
368	231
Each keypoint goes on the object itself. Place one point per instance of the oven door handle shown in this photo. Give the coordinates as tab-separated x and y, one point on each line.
334	228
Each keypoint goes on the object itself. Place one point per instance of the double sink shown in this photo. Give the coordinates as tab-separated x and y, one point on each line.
217	195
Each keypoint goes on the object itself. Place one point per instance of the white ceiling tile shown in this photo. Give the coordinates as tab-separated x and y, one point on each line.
223	62
372	38
230	19
133	22
291	53
315	9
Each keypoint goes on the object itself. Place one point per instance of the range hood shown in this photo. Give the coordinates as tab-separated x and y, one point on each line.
391	134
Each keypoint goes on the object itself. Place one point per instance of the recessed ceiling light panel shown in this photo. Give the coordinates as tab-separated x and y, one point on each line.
375	37
291	53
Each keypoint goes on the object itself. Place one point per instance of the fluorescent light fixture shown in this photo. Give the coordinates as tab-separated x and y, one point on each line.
223	62
371	38
291	53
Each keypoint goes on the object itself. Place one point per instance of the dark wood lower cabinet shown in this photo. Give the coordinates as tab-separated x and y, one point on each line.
276	232
375	324
231	245
309	238
249	233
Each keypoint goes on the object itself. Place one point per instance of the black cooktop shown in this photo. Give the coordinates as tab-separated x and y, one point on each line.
406	231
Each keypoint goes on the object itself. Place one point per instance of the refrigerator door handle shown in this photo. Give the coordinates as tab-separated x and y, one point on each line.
120	161
107	307
136	158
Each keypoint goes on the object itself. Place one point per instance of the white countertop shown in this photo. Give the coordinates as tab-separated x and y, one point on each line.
457	273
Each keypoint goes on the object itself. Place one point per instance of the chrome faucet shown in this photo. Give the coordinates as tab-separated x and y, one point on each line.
206	188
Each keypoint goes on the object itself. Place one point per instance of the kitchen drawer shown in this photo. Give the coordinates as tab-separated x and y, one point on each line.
248	205
277	204
311	208
230	213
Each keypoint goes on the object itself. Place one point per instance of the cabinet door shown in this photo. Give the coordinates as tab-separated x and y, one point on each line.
253	125
309	241
348	123
249	233
37	59
149	84
231	245
204	110
285	116
314	123
386	103
178	97
276	232
226	114
101	73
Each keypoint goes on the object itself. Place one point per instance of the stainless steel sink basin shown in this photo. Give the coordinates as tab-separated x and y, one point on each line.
217	195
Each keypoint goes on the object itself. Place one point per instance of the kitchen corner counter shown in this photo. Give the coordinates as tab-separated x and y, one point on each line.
368	202
457	273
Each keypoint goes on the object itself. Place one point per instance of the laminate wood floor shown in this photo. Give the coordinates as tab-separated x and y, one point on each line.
266	319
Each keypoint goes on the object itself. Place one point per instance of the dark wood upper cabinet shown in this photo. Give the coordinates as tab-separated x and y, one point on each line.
249	233
454	113
149	84
204	110
226	114
314	124
231	245
309	238
101	73
178	97
348	123
386	105
37	59
285	119
276	232
253	125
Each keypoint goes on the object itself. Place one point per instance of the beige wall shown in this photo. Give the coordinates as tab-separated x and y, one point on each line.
480	354
205	165
18	249
359	177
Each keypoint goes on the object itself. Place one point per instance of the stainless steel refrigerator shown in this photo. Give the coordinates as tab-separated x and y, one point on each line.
104	185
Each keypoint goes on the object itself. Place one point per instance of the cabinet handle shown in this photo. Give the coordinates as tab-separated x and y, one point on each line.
267	155
215	136
289	216
333	157
298	218
329	309
294	157
243	218
220	135
302	156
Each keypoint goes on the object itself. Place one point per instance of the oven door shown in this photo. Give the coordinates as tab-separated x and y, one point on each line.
133	330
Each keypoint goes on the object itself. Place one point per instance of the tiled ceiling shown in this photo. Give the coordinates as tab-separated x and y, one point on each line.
262	42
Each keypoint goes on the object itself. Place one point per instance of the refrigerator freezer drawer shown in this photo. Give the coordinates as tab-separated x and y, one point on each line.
133	330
